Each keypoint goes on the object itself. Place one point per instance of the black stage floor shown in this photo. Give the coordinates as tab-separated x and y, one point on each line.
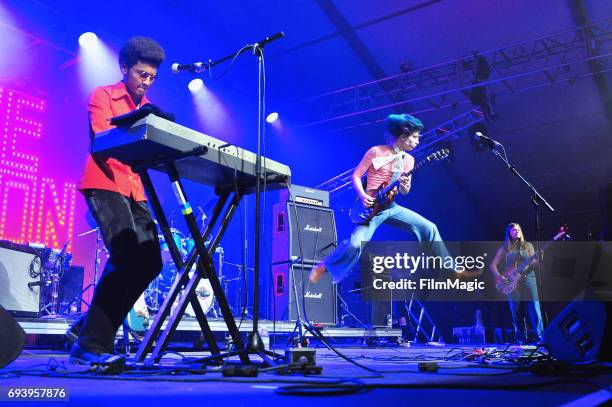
394	377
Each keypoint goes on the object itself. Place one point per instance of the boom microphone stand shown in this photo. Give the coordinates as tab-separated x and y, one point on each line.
536	198
255	344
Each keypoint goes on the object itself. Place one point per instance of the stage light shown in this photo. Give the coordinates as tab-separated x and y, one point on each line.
88	39
195	85
97	63
272	117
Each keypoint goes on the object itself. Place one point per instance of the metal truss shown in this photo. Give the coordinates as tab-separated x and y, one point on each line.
556	58
423	326
34	41
430	141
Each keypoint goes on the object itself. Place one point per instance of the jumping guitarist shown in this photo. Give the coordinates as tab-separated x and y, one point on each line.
384	164
523	301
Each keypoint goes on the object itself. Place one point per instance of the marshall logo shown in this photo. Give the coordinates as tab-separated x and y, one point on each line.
309	228
313	295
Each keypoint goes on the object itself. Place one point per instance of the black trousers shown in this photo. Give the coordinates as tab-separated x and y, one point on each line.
130	236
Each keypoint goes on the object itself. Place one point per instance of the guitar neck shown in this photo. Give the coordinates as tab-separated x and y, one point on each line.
524	265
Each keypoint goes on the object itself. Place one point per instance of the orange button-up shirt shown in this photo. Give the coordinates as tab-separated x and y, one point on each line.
110	174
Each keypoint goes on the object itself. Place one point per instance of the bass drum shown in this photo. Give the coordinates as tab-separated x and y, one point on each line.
150	301
139	317
204	295
157	291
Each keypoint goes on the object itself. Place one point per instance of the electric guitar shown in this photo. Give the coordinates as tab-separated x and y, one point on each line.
385	194
510	278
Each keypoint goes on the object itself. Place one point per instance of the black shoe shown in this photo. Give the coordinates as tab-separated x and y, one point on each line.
82	356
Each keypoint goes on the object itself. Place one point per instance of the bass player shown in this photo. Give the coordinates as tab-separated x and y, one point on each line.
523	301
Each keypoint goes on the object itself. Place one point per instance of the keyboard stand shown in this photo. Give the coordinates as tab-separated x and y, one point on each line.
156	340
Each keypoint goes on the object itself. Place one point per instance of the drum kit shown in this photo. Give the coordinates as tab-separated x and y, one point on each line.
151	300
154	295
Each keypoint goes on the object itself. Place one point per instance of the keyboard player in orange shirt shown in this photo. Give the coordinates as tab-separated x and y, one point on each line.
115	196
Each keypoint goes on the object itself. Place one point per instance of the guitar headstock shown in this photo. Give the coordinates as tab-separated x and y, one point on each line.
563	233
440	154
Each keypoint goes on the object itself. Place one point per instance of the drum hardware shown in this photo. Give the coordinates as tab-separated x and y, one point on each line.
179	240
149	303
97	260
54	263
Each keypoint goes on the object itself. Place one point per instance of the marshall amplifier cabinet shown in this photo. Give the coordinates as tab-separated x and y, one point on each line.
302	232
319	300
305	195
20	268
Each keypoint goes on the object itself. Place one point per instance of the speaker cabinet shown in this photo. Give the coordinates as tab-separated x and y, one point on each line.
575	335
20	268
12	338
302	232
319	300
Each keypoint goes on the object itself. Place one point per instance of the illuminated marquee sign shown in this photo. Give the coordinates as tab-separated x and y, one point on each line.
33	206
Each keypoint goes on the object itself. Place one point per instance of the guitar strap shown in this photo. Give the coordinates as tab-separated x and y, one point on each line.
398	164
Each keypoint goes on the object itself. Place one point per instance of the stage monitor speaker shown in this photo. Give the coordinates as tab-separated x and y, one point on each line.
575	335
20	268
319	299
605	206
302	232
12	338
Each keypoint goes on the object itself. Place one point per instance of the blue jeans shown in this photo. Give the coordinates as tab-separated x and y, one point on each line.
525	309
342	260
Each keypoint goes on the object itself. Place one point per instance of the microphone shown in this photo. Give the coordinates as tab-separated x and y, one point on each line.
482	138
60	261
193	68
62	253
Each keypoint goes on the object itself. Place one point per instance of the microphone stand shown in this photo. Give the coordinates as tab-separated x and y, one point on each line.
537	199
255	344
96	266
258	45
